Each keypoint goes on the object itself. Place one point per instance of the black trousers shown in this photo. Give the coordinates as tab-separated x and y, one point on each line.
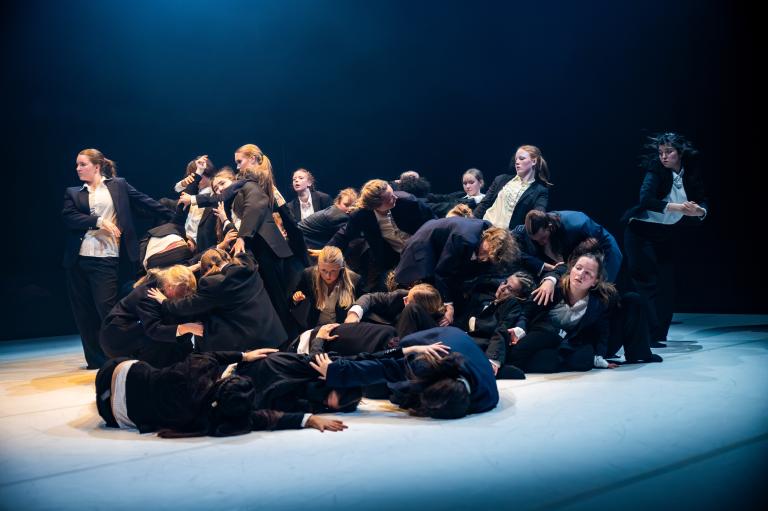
630	328
650	250
274	271
92	289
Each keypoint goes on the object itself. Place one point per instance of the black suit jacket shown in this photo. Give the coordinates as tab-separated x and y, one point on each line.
382	308
657	185
535	197
409	214
253	207
319	228
78	218
441	250
236	311
320	201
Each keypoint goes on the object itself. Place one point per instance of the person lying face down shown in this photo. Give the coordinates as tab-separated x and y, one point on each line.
437	373
194	397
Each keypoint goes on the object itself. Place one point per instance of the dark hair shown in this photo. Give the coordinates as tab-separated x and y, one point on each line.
684	147
209	171
442	395
418	186
477	174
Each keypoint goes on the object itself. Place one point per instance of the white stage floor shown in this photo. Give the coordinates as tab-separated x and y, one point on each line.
689	433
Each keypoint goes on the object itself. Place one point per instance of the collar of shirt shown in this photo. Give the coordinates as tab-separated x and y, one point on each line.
103	181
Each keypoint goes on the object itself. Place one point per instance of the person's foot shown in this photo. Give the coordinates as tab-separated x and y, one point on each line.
510	372
653	358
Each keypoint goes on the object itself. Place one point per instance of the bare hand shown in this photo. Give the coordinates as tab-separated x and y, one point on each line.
191	328
325	424
200	163
432	352
229	237
185	199
279	199
187	180
321	363
110	228
544	294
298	296
156	295
447	318
352	317
325	331
250	356
220	212
612	365
238	247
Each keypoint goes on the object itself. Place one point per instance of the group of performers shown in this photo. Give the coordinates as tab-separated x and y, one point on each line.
250	311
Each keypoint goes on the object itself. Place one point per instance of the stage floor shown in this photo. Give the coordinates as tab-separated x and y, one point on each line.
691	432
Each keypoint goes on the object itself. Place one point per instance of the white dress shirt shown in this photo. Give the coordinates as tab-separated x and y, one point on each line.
100	242
500	213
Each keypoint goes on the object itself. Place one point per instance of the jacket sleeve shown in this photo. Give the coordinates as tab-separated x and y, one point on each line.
147	203
206	200
205	299
344	373
447	279
347	233
542	200
150	315
256	207
75	219
649	191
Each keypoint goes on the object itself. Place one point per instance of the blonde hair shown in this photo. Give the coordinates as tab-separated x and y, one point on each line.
371	194
107	167
346	193
428	297
310	177
262	174
177	276
333	255
502	247
460	210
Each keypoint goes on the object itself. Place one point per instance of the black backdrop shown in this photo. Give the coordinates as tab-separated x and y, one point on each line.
356	90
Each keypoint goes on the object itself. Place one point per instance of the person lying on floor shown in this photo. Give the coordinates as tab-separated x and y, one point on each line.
438	373
410	310
194	397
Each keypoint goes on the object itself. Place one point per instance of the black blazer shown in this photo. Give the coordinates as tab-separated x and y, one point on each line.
236	311
383	308
253	207
319	228
657	185
320	201
78	219
441	250
306	311
535	197
409	214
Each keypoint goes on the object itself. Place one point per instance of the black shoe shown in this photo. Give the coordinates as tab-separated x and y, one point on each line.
657	344
510	372
654	358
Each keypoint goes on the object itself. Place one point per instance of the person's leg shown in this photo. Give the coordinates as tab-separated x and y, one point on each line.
84	310
523	352
582	358
665	294
643	268
629	328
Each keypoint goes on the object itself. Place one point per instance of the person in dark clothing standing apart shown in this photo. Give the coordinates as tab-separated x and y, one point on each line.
671	196
98	217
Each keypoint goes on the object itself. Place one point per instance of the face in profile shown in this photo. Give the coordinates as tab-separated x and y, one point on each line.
584	274
346	204
669	157
242	161
471	185
388	200
508	288
541	237
329	272
523	162
86	170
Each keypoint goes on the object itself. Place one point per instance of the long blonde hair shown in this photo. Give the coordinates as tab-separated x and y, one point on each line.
332	255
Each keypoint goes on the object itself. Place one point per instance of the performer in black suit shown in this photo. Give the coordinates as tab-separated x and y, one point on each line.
319	228
232	304
198	396
385	219
136	327
418	308
671	198
472	181
511	197
448	251
308	200
98	217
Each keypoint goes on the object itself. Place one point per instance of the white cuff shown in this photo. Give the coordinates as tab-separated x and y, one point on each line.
178	188
357	310
99	221
193	199
519	332
600	362
471	323
553	279
305	420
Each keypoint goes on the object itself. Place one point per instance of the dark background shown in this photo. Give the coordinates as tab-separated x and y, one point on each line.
357	90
